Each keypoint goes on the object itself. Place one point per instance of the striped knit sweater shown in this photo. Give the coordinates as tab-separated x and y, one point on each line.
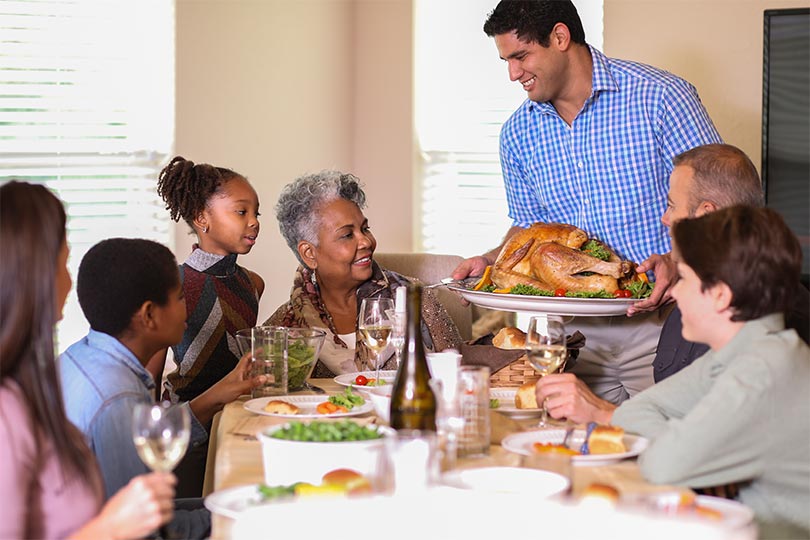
220	299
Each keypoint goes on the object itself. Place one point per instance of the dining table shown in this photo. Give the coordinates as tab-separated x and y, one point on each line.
236	455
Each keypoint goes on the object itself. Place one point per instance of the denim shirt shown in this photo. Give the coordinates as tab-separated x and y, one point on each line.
101	383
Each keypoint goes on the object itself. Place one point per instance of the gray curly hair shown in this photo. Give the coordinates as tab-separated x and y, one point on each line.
300	200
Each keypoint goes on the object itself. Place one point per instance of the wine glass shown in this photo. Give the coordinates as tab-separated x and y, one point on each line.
376	327
161	432
546	349
397	331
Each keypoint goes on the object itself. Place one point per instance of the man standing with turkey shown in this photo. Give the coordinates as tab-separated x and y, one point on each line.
592	146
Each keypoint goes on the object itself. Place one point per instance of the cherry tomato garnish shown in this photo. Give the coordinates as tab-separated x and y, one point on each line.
623	293
618	293
627	293
361	380
560	292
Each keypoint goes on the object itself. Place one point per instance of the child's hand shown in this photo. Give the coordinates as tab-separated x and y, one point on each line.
228	389
239	381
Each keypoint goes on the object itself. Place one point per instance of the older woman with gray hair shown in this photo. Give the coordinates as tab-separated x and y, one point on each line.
321	218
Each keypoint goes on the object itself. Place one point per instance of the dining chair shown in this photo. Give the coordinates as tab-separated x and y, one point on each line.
430	268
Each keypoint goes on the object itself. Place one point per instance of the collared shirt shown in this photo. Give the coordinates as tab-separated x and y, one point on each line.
737	414
607	173
102	381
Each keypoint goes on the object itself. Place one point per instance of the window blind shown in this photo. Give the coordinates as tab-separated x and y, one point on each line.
87	109
463	96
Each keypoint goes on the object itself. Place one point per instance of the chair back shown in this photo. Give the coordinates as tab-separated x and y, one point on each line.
431	268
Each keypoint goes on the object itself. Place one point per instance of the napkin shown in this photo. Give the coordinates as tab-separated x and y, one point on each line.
481	352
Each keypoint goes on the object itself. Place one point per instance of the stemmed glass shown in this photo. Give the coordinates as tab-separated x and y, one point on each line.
376	327
161	433
546	349
397	331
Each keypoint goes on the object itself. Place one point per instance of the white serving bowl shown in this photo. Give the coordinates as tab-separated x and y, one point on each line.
381	399
287	462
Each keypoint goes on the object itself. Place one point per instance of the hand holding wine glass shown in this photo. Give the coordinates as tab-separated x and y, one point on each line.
546	348
161	433
376	327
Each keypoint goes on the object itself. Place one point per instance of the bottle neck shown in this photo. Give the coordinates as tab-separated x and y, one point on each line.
413	327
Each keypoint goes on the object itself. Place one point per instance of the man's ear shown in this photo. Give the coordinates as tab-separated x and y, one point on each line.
560	37
705	207
307	253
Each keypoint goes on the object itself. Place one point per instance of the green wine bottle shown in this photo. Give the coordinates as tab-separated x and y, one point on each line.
413	403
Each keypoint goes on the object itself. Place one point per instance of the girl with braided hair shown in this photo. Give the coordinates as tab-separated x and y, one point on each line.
222	208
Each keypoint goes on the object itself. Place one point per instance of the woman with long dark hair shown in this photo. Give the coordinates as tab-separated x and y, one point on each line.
49	482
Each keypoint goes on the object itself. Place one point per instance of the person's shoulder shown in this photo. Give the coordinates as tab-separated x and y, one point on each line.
12	401
517	119
640	73
16	431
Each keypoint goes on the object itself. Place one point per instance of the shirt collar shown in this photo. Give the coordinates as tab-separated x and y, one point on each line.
602	80
211	263
118	351
751	331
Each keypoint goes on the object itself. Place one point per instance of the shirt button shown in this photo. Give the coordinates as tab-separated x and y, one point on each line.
579	164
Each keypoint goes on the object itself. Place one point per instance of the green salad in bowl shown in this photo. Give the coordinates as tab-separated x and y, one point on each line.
303	346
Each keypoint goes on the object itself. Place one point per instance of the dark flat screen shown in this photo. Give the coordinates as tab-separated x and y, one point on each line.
786	120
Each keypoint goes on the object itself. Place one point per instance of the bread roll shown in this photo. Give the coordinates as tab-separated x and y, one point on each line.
525	397
606	440
277	406
601	492
510	337
351	481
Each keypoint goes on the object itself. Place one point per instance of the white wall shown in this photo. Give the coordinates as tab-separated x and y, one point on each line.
714	44
276	88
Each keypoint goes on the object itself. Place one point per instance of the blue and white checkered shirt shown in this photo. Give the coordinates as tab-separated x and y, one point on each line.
608	173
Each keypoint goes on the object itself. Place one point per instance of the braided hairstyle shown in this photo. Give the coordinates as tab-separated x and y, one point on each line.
186	187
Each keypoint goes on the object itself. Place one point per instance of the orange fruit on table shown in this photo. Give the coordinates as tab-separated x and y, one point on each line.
553	448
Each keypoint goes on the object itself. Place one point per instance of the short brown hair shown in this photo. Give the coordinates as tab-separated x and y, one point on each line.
751	250
723	175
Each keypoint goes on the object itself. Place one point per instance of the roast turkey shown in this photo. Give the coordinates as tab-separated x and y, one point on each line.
549	256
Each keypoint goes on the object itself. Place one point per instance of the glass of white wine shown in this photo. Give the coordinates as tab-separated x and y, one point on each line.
546	349
161	433
376	327
397	331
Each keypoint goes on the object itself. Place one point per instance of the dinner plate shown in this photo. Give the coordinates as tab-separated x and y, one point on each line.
508	480
306	405
347	379
552	305
506	404
732	514
232	501
521	443
735	514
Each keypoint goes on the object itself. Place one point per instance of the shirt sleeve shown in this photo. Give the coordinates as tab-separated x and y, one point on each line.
683	121
712	440
110	437
17	472
525	208
199	434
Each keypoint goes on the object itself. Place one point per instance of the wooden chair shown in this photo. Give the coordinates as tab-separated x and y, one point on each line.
431	268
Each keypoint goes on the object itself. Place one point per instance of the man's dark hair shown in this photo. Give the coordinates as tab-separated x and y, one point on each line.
749	249
533	20
118	275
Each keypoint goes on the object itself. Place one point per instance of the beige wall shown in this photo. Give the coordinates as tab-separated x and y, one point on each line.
276	88
714	44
